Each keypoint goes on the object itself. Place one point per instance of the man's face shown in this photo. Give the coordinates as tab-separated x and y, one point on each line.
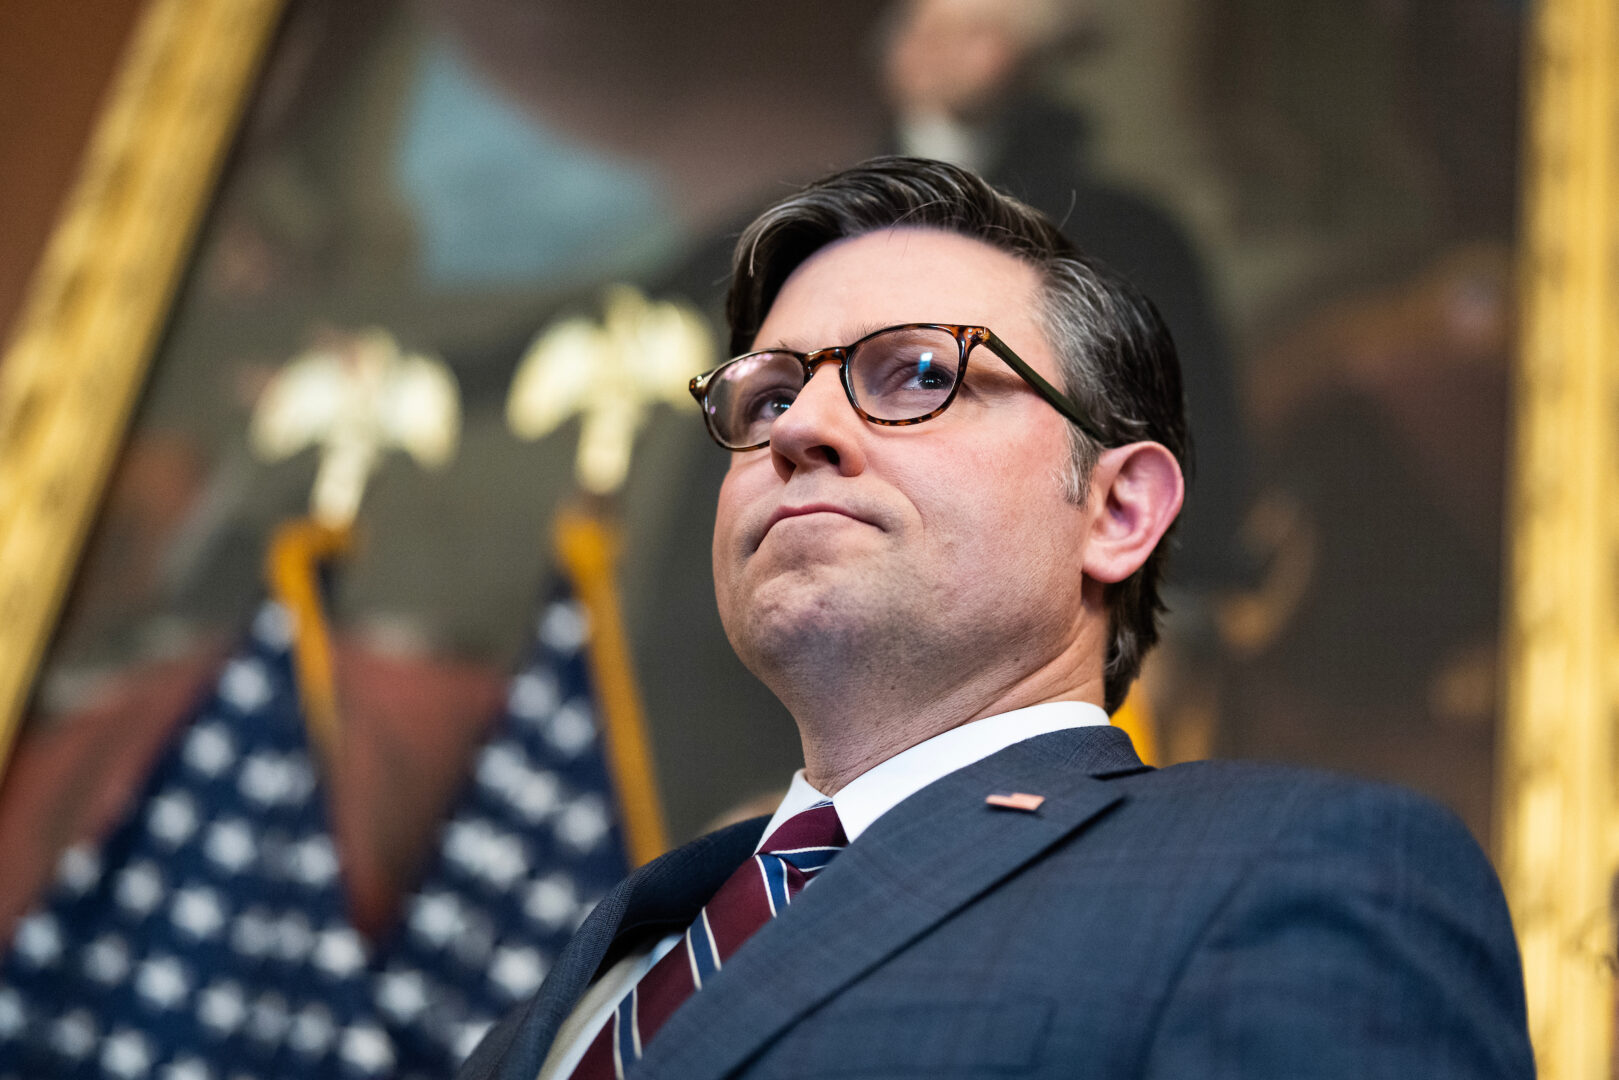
952	58
946	547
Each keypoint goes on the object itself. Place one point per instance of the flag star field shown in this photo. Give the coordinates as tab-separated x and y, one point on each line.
206	937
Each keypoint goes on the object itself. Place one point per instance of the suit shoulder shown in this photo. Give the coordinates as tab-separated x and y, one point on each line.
1302	809
1332	832
1263	784
1373	890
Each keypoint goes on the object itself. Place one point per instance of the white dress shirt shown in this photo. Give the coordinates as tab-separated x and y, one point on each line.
860	802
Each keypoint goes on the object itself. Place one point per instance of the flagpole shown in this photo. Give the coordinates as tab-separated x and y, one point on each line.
296	554
587	547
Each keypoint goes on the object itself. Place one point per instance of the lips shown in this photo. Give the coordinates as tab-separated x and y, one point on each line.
782	513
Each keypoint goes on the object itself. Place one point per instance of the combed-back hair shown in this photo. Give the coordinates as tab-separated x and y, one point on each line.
1118	361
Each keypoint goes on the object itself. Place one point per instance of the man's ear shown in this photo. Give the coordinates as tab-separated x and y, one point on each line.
1136	491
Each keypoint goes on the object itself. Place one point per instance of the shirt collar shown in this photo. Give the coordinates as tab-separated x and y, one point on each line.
885	785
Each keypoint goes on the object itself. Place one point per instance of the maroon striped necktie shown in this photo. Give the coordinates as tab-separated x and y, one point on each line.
753	895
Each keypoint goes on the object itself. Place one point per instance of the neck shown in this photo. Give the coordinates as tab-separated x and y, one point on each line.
872	711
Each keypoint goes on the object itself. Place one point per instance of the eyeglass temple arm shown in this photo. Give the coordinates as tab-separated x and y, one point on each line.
1056	398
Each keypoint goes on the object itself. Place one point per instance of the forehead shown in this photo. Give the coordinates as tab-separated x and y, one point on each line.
901	275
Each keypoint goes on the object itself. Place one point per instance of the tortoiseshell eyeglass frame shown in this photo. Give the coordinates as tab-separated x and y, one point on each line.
967	338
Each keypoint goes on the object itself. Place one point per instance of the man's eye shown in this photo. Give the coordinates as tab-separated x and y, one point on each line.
902	372
926	375
767	405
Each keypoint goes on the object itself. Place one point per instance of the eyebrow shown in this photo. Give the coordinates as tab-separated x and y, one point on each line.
860	330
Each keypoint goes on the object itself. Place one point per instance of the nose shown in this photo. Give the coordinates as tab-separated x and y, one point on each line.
821	428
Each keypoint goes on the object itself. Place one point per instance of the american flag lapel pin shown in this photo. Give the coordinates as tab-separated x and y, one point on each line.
1017	800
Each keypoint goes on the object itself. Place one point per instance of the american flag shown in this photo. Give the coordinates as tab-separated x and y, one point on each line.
532	844
207	939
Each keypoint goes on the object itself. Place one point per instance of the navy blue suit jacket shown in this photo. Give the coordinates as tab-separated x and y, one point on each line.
1205	920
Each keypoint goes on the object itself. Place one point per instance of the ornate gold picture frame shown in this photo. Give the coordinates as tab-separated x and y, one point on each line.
1559	787
99	300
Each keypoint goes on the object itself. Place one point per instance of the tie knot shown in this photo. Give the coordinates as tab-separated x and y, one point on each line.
816	827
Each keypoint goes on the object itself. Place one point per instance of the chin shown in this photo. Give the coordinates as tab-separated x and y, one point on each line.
791	622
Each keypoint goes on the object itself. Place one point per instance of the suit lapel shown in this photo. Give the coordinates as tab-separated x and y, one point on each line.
914	867
666	892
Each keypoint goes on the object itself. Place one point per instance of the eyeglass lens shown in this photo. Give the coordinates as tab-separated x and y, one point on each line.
900	374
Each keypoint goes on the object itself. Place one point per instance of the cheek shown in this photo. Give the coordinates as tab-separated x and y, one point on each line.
724	524
738	491
980	489
1001	511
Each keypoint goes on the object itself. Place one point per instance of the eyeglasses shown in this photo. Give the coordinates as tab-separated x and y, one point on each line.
897	376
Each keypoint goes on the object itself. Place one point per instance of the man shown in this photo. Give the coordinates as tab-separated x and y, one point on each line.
958	446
